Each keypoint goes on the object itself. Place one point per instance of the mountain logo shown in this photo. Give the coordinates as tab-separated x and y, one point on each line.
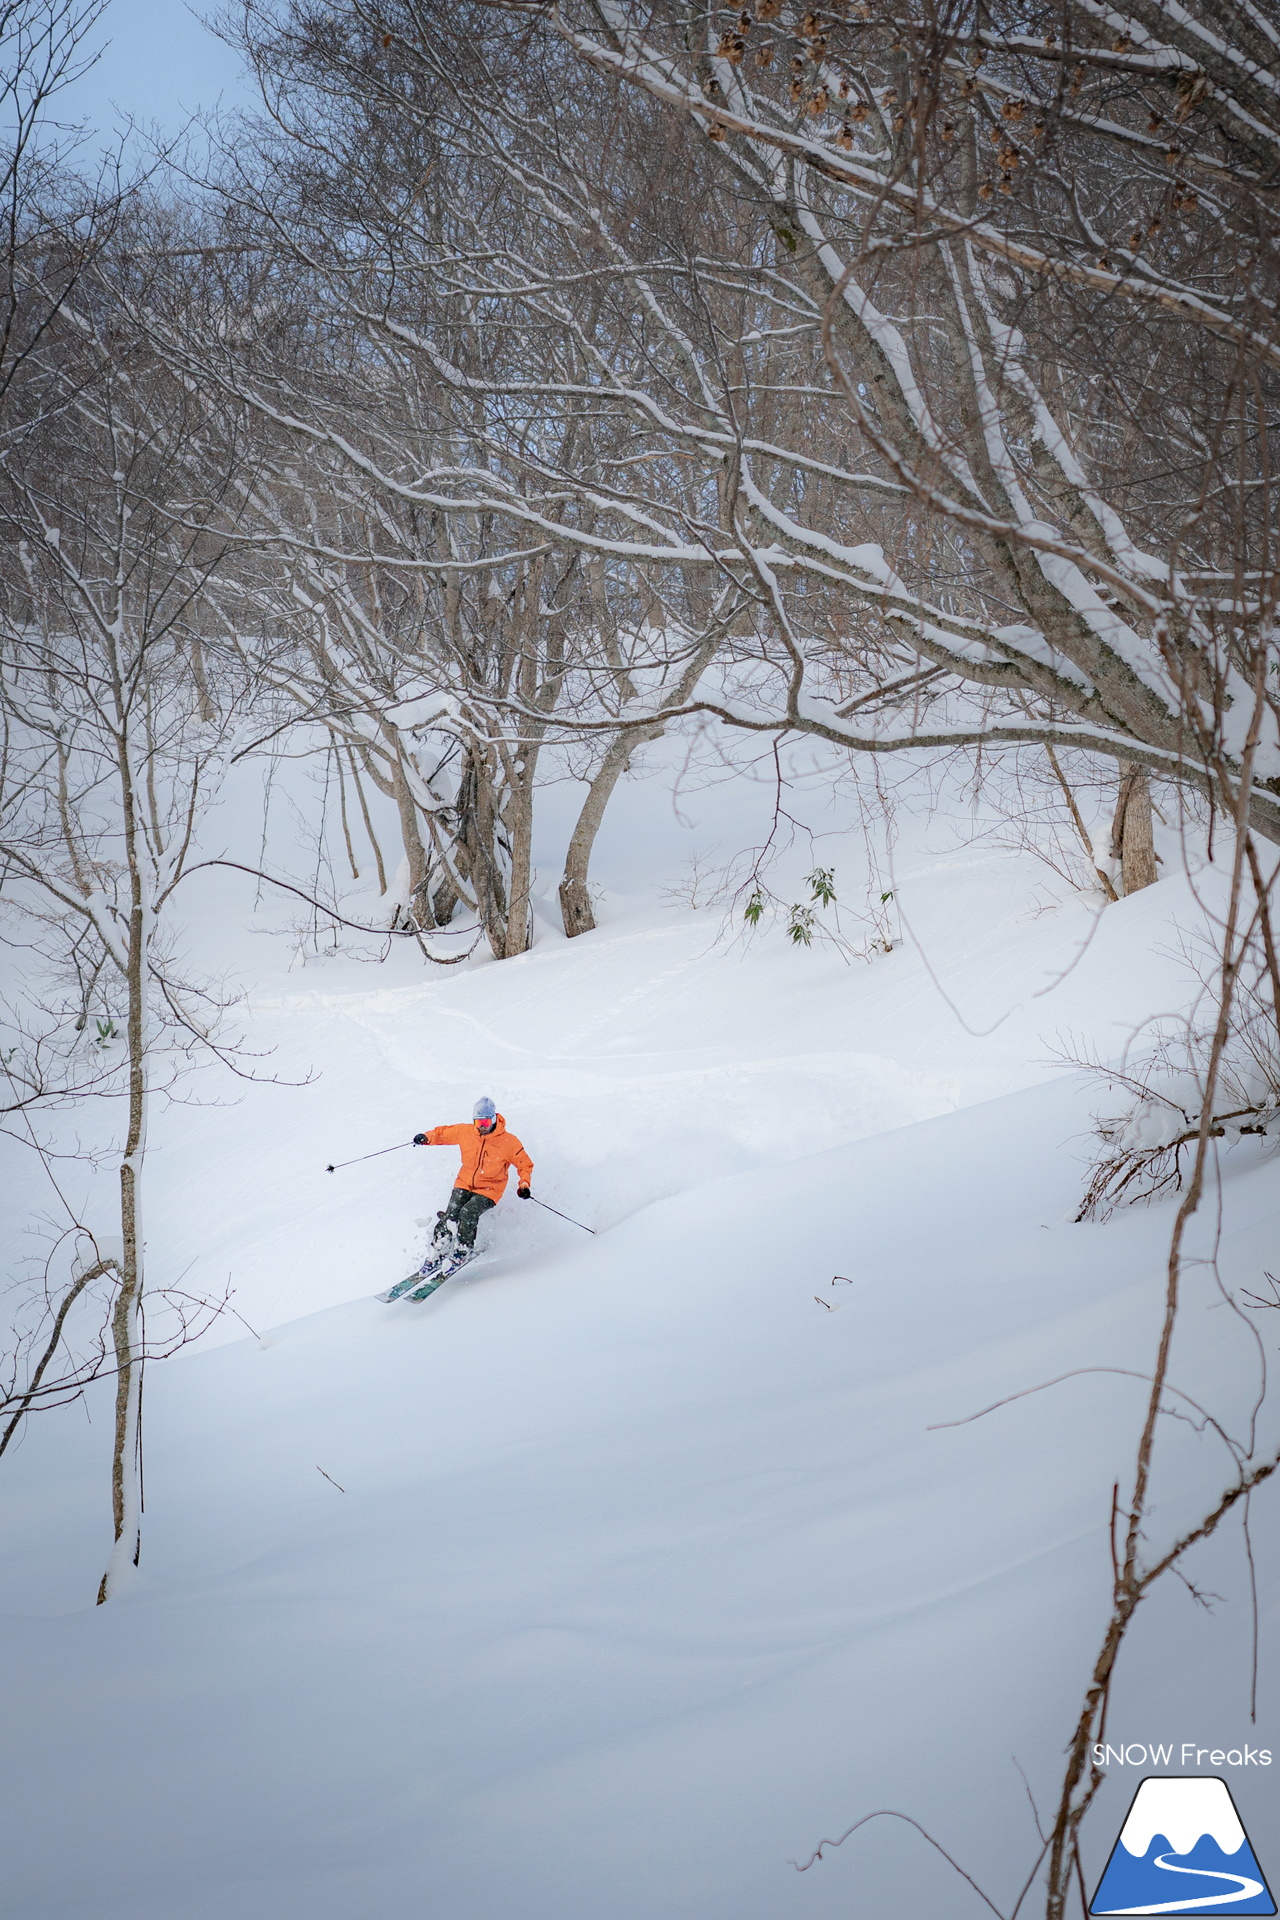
1183	1850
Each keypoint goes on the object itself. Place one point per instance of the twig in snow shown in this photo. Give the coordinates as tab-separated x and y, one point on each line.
891	1813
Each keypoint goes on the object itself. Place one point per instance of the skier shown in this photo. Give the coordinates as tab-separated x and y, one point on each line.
489	1153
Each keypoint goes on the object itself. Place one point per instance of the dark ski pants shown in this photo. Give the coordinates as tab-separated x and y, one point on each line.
463	1214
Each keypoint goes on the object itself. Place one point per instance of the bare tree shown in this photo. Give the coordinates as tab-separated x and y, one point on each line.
53	222
445	497
112	753
1053	553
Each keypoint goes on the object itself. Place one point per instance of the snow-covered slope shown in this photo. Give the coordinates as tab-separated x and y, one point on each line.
646	1059
649	1561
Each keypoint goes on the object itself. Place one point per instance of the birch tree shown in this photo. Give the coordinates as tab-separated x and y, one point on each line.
112	751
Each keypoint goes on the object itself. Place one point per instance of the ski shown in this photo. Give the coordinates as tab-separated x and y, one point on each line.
430	1266
454	1263
400	1288
431	1274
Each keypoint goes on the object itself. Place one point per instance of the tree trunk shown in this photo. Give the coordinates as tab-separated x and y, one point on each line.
444	903
205	706
477	845
368	823
126	1319
1086	839
575	900
411	837
342	809
1131	831
518	819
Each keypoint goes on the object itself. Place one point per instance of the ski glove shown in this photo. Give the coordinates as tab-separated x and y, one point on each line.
523	1193
419	1139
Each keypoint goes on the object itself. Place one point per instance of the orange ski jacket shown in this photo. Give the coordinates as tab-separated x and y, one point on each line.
487	1158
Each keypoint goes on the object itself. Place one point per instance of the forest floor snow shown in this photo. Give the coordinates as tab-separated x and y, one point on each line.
607	1582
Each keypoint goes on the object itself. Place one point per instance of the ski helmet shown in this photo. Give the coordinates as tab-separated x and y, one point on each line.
484	1112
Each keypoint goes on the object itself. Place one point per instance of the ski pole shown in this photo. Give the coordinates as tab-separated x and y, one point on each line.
561	1216
368	1156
